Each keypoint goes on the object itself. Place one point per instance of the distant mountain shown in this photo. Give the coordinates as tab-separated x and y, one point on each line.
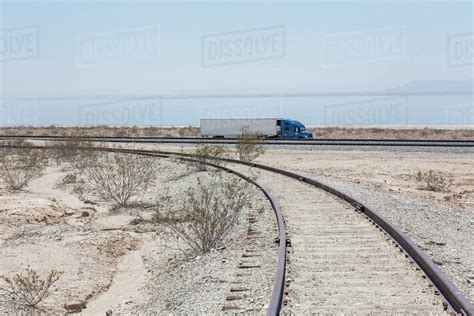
435	86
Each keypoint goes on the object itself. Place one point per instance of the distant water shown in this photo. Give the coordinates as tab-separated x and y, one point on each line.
353	111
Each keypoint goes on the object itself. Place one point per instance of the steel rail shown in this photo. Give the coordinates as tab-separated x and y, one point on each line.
454	298
233	139
276	300
309	142
276	139
300	143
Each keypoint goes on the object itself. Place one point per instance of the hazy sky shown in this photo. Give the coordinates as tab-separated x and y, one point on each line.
87	48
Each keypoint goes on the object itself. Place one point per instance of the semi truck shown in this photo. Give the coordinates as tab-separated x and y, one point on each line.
267	127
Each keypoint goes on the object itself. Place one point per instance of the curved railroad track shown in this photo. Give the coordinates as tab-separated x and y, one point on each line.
340	249
452	298
270	142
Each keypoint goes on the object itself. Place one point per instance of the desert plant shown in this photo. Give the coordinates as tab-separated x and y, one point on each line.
65	150
119	177
86	158
72	151
249	145
208	154
69	178
209	212
432	181
79	191
29	288
20	163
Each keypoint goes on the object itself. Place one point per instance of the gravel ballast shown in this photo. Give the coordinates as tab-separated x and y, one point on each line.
207	283
215	281
444	234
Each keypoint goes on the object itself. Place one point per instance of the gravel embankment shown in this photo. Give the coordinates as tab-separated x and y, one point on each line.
208	282
445	234
204	284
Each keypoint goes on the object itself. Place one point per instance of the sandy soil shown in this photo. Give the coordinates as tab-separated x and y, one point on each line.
110	263
464	133
47	228
188	131
455	133
131	275
387	171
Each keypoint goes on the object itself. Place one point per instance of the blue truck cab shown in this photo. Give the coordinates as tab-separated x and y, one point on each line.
292	129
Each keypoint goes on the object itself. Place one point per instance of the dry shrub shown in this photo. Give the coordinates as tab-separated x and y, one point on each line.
21	163
72	151
79	190
70	178
210	211
119	177
66	150
29	288
208	154
86	158
250	145
188	131
432	181
118	245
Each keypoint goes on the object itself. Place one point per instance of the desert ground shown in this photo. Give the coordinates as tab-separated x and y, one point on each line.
379	169
440	222
113	259
116	258
388	171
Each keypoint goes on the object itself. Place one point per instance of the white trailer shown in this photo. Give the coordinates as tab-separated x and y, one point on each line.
232	128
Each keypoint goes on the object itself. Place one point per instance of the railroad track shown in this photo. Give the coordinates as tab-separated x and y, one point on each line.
339	261
355	214
340	252
309	142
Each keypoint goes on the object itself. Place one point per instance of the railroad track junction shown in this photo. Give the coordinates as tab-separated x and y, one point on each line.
336	255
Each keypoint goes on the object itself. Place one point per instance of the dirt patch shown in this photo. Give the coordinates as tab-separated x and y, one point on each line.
386	170
187	131
46	227
393	133
117	244
110	257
